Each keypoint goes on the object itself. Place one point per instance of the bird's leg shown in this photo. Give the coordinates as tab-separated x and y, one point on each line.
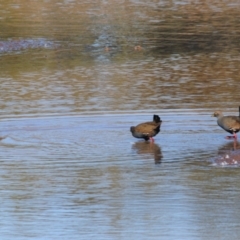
235	144
231	137
151	139
235	135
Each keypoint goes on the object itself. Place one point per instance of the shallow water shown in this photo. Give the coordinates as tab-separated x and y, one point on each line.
75	76
86	176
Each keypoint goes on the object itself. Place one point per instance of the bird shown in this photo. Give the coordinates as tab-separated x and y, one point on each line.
147	130
230	124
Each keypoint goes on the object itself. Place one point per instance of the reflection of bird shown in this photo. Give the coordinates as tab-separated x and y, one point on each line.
230	124
149	148
228	155
147	130
229	146
1	138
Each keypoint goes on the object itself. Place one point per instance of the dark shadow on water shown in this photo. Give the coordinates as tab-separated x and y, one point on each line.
148	148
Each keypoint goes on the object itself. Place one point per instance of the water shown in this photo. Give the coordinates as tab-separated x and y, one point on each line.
75	76
86	176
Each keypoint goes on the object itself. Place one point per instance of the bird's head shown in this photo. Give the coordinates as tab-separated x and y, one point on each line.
217	114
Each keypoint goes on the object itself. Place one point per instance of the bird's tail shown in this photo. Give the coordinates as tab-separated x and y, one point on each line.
156	119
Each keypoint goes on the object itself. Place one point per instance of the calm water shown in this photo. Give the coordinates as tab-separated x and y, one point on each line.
75	76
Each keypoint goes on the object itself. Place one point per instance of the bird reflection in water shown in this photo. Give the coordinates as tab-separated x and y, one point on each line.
148	148
228	155
2	137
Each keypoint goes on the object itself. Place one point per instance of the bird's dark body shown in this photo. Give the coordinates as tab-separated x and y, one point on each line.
147	130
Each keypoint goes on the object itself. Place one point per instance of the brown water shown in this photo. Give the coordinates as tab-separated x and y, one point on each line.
75	75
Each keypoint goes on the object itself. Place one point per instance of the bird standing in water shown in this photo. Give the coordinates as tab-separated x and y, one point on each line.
230	124
147	130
